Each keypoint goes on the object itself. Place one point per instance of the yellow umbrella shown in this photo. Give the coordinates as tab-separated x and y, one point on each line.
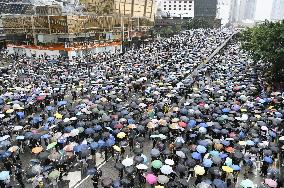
58	116
159	186
242	143
116	148
37	150
243	110
151	125
132	126
121	135
199	170
257	116
9	111
174	126
227	169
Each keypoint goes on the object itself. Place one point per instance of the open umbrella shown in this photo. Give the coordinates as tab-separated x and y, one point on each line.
219	183
166	169
37	150
106	182
127	162
151	179
246	183
199	170
4	175
270	182
162	179
142	167
169	162
156	164
54	175
227	169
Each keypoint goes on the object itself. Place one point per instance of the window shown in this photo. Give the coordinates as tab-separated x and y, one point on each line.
165	9
169	8
174	8
174	5
184	8
179	5
165	5
179	8
174	1
184	5
170	5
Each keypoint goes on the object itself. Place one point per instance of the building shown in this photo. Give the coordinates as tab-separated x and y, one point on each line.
243	11
205	8
223	11
176	8
277	12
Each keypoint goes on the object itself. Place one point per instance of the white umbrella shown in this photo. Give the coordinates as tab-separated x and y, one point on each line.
166	169
127	162
142	167
17	128
169	162
180	154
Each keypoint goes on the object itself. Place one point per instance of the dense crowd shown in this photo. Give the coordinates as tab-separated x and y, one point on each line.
210	126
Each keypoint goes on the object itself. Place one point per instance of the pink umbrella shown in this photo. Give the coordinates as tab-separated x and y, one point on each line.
151	179
270	182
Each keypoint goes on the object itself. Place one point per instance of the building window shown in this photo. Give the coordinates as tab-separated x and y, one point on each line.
170	5
179	5
174	8
174	5
184	8
174	1
169	8
179	8
165	9
165	5
184	5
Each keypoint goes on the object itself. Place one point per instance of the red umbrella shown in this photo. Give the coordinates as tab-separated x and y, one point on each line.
182	124
230	149
40	98
118	126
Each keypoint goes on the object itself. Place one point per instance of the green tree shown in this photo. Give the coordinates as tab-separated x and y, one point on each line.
266	42
166	31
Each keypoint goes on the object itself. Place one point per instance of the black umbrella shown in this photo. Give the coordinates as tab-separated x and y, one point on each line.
119	166
138	151
238	155
129	170
190	162
138	159
43	155
215	170
155	152
140	139
107	182
125	182
181	168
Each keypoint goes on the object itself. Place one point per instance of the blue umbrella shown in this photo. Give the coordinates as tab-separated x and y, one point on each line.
81	147
94	145
201	149
235	167
20	137
68	129
131	121
97	127
196	155
110	142
224	131
45	136
225	142
216	130
89	131
225	110
223	155
268	160
250	143
192	135
49	108
101	143
271	133
61	103
62	140
28	134
46	168
214	153
50	119
242	135
4	175
21	115
91	171
219	183
1	101
203	125
116	184
207	163
191	123
203	142
6	154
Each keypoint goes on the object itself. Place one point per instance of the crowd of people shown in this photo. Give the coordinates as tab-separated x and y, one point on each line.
212	126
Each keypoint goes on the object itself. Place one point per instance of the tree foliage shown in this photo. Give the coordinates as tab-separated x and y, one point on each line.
266	42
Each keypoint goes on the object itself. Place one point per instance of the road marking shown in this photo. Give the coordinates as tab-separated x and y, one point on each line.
188	177
81	181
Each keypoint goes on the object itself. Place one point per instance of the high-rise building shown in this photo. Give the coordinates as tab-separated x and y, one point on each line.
176	8
205	8
277	12
242	10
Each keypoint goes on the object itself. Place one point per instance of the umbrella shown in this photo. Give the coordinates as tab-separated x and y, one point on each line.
155	152
207	163
169	162
127	162
268	160
119	166
199	170
216	160
43	155
201	149
51	145
235	167
106	182
166	169
247	183
121	135
270	182
180	154
190	162
142	167
219	183
162	179
203	185
151	179
54	175
37	169
4	175
156	164
196	155
227	169
37	150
